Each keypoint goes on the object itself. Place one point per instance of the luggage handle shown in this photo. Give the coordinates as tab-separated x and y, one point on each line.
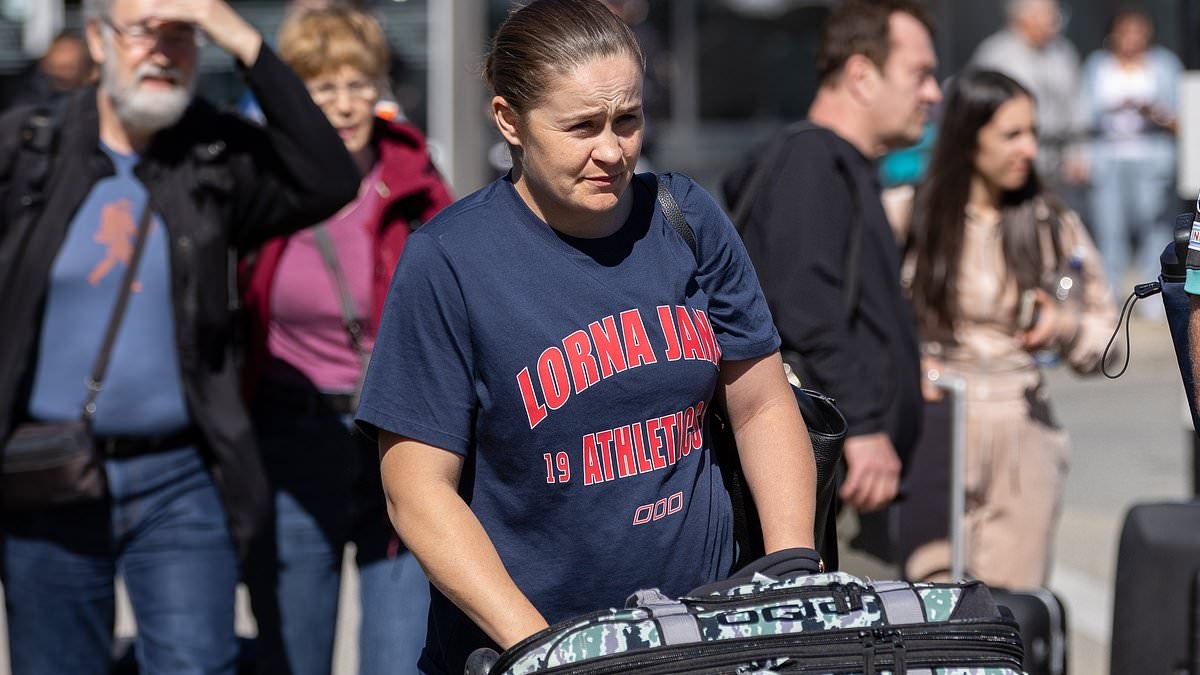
956	389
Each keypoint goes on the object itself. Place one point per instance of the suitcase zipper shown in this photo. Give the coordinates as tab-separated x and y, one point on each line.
894	649
847	597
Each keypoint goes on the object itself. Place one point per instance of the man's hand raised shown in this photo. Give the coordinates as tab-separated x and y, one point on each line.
224	26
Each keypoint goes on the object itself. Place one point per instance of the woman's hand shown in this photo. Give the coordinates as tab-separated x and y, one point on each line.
1042	333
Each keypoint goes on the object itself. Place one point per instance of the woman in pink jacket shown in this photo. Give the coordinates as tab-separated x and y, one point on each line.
314	301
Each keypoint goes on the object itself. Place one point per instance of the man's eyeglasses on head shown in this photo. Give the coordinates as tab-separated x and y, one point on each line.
324	93
142	37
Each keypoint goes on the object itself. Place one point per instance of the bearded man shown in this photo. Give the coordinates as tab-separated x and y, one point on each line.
185	490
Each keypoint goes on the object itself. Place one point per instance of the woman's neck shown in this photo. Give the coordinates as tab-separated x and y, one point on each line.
364	159
1131	61
569	221
983	197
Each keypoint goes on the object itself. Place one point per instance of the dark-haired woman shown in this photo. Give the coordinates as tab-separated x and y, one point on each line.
987	246
548	353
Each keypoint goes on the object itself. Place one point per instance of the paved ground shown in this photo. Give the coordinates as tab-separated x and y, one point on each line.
1129	445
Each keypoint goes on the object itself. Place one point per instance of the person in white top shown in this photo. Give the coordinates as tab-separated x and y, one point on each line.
1129	91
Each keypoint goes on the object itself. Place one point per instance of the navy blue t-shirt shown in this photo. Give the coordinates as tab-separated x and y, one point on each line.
575	377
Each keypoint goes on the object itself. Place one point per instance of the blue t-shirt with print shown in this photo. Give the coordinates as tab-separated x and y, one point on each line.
143	391
574	375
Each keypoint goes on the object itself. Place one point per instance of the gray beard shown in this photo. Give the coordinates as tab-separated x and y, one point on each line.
144	112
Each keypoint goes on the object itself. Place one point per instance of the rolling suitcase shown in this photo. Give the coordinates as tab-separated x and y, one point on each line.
822	623
1155	600
1039	613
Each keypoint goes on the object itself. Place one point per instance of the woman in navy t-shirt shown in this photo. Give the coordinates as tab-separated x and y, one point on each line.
548	353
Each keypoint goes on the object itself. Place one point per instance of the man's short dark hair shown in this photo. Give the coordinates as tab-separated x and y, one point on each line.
862	27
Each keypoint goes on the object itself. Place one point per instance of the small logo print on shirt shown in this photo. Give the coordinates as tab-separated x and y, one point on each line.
658	510
116	232
1194	242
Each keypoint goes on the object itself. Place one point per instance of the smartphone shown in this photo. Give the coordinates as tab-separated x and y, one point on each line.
1027	310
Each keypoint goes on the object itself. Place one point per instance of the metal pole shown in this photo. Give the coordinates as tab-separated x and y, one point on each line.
956	389
685	89
457	35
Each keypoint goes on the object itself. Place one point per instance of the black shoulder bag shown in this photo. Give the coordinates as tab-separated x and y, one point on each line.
49	464
826	432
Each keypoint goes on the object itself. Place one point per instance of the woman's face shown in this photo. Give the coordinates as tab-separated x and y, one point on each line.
578	148
1007	145
347	97
1130	36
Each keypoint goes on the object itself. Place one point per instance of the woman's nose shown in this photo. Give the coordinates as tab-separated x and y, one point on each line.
608	147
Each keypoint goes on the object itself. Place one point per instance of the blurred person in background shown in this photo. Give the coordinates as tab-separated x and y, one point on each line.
512	475
1033	51
656	94
987	241
819	206
1129	88
314	299
186	491
387	106
64	67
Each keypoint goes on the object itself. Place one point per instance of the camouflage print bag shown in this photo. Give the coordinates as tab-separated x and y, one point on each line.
825	623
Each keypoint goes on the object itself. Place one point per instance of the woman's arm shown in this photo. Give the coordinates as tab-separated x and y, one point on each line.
421	485
773	445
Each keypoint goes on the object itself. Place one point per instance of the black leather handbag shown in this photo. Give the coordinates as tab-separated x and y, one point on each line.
826	432
48	464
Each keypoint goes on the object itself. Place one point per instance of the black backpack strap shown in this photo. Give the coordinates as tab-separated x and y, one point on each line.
39	144
32	166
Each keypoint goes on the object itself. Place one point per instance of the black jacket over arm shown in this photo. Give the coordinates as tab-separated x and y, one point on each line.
218	183
798	235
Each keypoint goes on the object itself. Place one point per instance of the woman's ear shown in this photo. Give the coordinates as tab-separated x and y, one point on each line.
507	121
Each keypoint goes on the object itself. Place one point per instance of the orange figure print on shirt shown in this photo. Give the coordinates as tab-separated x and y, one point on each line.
116	233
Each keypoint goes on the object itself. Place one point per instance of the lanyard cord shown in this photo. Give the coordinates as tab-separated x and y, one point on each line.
1139	291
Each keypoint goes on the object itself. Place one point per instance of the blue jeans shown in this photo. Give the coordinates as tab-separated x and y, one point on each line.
327	493
164	531
1132	199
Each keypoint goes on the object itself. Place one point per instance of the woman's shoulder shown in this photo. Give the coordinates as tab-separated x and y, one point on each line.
470	212
686	190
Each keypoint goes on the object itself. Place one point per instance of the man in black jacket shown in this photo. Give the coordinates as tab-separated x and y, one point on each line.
821	244
186	490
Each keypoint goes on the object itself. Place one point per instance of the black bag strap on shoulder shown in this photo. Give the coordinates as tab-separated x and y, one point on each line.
30	173
769	165
39	145
671	210
95	379
825	424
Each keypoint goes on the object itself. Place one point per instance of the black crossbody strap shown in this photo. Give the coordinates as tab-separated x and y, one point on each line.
671	210
96	380
345	300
